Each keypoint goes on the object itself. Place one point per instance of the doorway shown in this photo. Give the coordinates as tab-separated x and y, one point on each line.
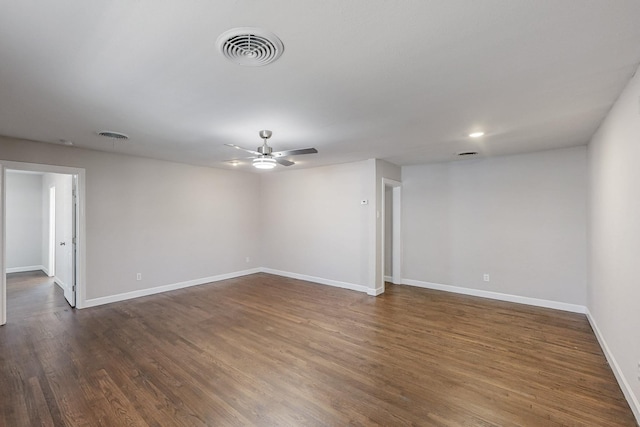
391	231
51	270
62	232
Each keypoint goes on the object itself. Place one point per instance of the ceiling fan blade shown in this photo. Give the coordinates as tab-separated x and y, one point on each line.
255	153
294	152
284	162
238	159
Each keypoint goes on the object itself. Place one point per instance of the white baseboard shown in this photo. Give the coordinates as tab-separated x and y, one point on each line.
92	302
320	280
388	279
59	282
375	292
624	385
574	308
345	285
25	269
622	381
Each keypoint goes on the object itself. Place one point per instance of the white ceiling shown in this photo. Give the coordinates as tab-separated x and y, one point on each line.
404	81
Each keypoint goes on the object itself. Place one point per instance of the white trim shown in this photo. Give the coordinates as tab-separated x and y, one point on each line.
3	251
26	268
59	282
388	279
51	247
320	280
374	217
617	372
396	255
396	242
375	292
81	276
92	302
574	308
171	287
396	261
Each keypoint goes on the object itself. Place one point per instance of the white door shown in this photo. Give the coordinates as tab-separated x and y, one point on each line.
65	237
74	240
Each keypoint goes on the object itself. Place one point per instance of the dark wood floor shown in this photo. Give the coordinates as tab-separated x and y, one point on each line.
31	294
265	350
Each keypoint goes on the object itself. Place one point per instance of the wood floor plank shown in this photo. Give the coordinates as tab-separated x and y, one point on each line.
37	404
266	350
14	397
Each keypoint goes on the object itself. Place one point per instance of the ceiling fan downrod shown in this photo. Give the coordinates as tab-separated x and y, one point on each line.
265	150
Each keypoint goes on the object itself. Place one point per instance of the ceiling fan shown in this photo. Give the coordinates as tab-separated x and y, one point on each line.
266	158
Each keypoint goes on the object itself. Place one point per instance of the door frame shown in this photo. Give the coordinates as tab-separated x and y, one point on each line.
396	242
52	233
80	228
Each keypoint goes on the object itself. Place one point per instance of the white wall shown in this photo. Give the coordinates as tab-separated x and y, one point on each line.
521	219
170	222
314	225
24	221
614	234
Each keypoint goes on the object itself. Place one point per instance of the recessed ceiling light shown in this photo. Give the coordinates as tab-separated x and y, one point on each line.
476	134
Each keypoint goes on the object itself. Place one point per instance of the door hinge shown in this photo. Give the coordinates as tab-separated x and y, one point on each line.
73	289
73	240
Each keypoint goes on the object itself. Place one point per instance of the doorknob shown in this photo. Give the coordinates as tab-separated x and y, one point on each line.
62	243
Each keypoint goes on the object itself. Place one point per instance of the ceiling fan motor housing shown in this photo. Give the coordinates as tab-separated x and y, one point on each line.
265	149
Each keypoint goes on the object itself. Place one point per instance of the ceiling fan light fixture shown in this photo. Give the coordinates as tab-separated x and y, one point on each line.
264	163
265	158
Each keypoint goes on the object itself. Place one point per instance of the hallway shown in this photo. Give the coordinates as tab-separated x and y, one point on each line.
32	293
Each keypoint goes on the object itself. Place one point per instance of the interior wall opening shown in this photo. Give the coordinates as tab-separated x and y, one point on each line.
42	225
391	232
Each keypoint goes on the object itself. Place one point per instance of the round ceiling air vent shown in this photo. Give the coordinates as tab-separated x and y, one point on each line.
113	135
253	47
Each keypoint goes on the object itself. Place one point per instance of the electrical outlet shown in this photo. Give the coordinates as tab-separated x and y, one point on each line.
485	277
139	276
